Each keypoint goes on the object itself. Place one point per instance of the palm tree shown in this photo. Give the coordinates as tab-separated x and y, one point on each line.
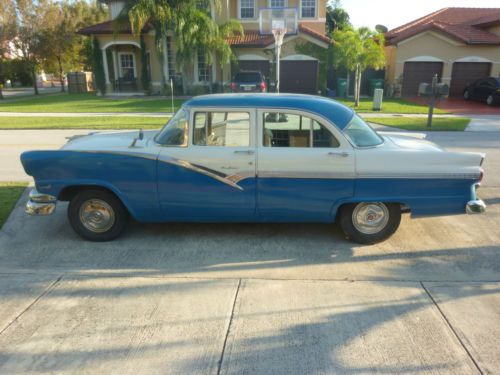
191	24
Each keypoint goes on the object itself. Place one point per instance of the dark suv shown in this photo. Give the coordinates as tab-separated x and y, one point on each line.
484	90
248	81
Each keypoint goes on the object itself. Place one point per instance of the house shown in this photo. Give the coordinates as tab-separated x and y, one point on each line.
123	60
460	45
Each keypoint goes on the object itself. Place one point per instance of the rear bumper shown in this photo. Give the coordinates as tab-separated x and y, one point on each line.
476	206
40	204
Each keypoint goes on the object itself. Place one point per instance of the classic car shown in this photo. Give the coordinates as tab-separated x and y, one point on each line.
254	158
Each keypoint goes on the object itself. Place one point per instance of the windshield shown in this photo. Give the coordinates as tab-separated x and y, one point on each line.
174	133
247	77
361	134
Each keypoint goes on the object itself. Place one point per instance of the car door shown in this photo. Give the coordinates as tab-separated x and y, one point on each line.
213	177
304	165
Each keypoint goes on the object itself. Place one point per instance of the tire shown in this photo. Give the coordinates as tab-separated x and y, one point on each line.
490	100
97	215
466	95
351	221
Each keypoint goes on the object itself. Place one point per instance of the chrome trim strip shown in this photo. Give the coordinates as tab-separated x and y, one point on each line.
299	174
35	196
459	176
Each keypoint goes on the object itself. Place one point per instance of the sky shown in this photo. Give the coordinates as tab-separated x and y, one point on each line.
394	13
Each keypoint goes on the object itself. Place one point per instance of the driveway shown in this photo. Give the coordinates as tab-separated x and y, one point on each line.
460	106
256	299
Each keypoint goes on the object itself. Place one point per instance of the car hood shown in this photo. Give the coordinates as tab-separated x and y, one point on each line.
107	141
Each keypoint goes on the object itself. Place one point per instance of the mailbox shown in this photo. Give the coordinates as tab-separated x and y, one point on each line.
443	89
424	89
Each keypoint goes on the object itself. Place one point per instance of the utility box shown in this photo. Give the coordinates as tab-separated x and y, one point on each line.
80	82
378	96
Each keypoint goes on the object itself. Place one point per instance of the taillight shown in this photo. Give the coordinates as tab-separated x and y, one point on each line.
481	175
263	86
232	86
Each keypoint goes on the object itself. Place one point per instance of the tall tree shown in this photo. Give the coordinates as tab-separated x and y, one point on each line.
7	33
358	50
191	24
337	17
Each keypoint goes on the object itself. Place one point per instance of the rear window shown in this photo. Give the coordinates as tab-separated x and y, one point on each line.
247	77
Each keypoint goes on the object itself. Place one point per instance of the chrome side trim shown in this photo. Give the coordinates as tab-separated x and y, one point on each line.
476	206
458	176
300	174
40	209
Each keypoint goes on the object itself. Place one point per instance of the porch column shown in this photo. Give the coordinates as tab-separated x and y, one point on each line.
105	62
115	64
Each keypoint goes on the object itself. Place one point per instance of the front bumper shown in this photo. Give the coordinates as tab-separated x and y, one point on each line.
40	204
476	206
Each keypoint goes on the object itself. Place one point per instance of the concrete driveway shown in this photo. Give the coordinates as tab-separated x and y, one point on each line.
256	299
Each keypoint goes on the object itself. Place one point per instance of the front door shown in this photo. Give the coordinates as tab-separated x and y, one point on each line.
213	177
305	166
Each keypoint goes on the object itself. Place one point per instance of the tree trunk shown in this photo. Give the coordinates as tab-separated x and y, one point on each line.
356	78
61	78
33	75
360	72
347	85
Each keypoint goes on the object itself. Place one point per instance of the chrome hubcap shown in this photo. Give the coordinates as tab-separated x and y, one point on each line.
490	100
370	218
97	216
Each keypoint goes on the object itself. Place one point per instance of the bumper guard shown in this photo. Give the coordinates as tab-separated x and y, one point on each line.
40	204
476	206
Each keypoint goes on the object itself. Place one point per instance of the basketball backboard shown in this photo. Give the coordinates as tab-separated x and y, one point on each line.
278	18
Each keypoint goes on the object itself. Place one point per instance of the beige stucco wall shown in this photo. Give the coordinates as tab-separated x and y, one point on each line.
495	30
441	48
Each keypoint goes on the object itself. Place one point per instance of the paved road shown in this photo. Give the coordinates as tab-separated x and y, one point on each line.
255	299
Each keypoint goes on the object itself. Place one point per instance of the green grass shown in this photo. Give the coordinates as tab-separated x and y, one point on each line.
97	122
9	195
389	105
88	103
420	123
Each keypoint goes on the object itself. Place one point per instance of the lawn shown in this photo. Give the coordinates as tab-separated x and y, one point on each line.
389	105
9	194
420	123
97	122
88	103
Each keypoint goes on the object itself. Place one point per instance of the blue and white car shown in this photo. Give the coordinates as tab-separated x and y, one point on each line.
254	158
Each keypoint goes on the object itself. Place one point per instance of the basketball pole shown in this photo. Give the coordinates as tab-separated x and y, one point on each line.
279	34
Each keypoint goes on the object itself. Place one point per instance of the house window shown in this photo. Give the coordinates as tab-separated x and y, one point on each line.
127	66
203	67
277	3
308	8
170	58
247	9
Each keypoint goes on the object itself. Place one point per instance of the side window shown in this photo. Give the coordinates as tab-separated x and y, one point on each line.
230	129
289	130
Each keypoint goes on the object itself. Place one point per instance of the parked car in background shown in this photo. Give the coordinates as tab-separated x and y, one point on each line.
484	90
254	158
248	81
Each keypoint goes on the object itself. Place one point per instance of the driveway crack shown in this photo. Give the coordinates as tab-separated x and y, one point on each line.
219	367
47	290
452	329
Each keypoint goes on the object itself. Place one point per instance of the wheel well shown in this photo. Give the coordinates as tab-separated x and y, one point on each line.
68	193
404	207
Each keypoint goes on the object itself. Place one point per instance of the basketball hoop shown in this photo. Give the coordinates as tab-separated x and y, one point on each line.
279	35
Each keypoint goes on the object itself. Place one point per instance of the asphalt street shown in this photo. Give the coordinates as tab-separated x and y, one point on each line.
251	299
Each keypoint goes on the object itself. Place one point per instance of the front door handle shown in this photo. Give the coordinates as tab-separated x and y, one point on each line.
246	152
341	154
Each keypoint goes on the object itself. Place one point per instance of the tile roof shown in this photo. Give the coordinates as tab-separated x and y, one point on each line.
253	38
467	25
108	28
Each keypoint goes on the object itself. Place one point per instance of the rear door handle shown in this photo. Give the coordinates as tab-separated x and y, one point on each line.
339	154
246	152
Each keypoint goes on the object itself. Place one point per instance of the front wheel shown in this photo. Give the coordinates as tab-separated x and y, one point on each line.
370	222
97	215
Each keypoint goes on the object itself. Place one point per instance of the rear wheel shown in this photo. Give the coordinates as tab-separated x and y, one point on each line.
490	100
97	215
370	222
466	95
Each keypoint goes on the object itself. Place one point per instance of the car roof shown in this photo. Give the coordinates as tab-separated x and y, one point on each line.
328	108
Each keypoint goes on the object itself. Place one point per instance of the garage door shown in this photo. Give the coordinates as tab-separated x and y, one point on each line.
464	73
415	73
299	76
253	65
